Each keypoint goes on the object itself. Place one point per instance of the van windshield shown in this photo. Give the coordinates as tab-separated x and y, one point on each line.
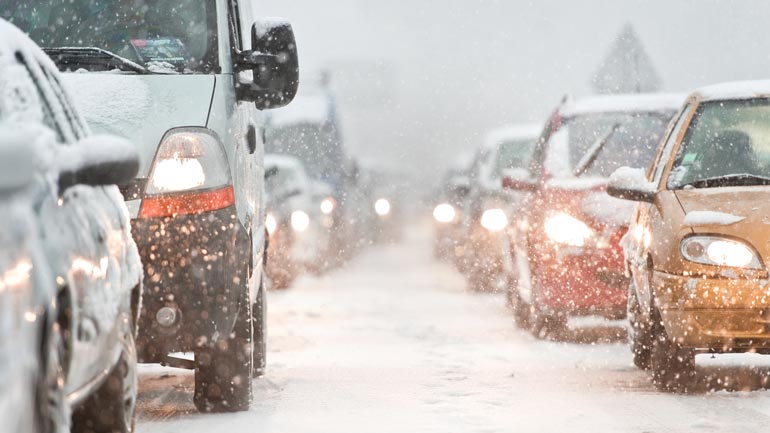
161	35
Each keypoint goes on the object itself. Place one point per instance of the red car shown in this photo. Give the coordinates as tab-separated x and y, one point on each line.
567	259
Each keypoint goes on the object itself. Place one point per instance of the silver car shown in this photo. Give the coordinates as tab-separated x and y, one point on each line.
70	276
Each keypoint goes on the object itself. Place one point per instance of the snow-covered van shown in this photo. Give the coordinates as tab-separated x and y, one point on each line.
185	80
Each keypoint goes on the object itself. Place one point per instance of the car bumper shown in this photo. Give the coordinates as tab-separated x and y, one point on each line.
717	314
191	265
582	282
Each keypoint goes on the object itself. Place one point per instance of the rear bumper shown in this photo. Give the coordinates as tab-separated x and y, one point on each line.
581	282
194	265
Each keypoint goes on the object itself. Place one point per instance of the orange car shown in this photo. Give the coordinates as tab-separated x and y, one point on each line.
698	248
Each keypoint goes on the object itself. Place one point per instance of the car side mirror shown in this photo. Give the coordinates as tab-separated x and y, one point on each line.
97	161
274	62
631	184
519	179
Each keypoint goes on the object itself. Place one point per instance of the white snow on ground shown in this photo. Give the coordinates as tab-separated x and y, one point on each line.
394	343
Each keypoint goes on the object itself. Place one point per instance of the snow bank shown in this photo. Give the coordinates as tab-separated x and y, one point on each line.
710	218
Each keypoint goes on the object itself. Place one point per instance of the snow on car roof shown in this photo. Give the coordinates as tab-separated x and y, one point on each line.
314	107
624	103
513	132
735	90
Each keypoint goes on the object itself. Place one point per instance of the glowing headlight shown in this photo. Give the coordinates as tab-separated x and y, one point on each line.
494	220
382	207
271	224
568	230
444	213
327	205
300	221
717	251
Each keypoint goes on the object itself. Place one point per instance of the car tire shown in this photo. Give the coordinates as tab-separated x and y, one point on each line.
640	333
223	371
259	312
547	326
112	408
673	367
519	308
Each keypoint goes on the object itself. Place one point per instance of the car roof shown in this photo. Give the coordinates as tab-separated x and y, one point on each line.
512	132
636	102
735	90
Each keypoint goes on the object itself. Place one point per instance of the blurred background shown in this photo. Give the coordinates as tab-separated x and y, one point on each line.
418	82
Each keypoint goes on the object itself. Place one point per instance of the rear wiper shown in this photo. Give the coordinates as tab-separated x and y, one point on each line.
89	56
593	153
742	179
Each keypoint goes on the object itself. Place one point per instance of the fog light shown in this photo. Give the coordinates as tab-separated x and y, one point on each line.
166	316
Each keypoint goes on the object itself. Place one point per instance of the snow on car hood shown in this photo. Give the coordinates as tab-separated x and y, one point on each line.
141	107
735	207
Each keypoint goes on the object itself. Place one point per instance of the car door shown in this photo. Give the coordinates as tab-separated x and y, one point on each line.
83	239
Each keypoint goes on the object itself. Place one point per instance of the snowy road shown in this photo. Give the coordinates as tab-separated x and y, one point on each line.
394	344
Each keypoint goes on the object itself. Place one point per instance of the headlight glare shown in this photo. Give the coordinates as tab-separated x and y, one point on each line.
328	205
494	220
718	251
444	213
382	207
270	224
300	221
567	230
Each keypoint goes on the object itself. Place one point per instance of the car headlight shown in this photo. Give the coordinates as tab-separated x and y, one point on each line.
494	220
567	230
328	205
271	224
444	213
300	221
718	251
382	207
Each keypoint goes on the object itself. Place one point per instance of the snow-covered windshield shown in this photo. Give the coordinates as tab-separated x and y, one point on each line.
727	143
181	33
615	139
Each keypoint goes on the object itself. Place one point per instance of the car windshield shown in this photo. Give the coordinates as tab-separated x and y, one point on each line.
598	144
513	154
727	143
168	35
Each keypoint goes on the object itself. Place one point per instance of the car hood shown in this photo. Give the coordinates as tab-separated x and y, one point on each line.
742	212
141	108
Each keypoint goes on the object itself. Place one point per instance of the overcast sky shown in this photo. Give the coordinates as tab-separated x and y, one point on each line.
420	81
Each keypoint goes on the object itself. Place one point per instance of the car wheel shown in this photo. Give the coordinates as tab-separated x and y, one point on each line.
545	325
260	330
112	407
639	333
673	367
519	308
223	372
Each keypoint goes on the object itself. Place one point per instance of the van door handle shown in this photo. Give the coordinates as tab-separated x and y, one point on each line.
251	138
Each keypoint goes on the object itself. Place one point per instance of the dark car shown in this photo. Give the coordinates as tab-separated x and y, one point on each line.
70	276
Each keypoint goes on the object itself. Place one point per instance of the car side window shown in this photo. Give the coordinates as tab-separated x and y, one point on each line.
665	153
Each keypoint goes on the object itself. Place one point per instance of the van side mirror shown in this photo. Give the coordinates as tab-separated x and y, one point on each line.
274	62
97	161
631	184
519	179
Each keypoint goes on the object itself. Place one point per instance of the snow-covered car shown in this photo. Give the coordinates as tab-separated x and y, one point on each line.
490	207
697	251
185	80
298	239
566	242
70	276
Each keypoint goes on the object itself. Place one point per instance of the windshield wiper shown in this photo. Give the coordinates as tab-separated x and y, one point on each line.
85	56
742	179
590	157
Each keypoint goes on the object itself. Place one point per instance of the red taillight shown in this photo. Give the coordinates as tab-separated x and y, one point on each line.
187	203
